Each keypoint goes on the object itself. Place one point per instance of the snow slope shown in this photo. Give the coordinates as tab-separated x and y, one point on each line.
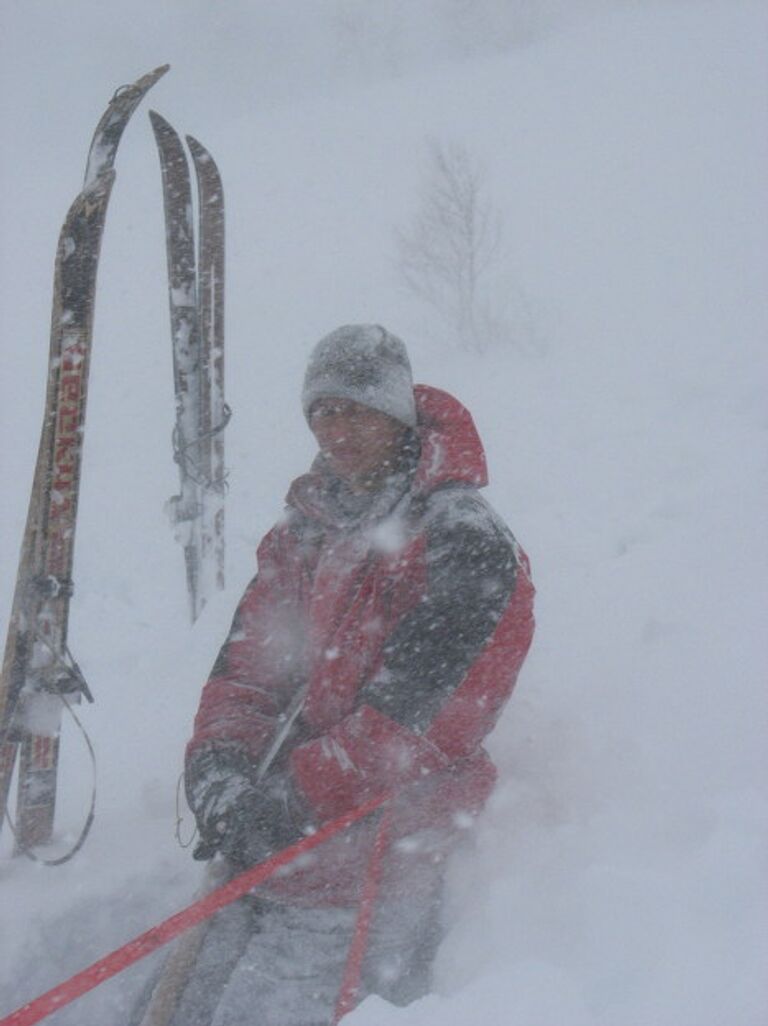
620	871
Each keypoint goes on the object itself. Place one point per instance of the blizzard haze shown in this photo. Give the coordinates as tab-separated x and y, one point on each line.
619	877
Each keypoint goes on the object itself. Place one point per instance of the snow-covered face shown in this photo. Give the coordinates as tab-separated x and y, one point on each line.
361	445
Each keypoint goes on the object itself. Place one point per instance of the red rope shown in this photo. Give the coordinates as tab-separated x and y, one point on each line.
350	985
166	931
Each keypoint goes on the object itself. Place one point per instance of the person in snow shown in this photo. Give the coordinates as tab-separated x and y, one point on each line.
393	608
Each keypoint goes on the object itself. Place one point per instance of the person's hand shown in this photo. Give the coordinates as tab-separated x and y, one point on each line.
243	821
238	822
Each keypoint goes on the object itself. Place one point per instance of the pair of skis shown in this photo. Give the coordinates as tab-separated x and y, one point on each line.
196	294
39	678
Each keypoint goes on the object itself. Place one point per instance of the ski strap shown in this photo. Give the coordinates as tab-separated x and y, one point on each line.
86	828
197	912
73	674
188	463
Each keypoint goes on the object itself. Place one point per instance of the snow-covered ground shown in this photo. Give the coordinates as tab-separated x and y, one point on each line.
620	871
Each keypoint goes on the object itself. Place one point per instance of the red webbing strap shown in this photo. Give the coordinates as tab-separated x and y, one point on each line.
350	985
166	931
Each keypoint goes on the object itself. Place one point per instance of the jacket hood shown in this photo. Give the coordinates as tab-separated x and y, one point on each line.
450	452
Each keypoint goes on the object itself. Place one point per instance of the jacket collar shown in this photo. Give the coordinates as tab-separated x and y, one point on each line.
450	452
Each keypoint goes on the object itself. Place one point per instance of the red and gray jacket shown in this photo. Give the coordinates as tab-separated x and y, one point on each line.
408	623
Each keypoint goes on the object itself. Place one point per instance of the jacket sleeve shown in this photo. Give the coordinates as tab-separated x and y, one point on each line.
448	666
260	664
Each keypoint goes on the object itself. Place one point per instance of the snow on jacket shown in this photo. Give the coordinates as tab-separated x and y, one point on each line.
408	622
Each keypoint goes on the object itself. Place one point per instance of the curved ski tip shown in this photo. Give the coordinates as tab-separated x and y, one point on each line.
148	80
196	148
145	83
160	125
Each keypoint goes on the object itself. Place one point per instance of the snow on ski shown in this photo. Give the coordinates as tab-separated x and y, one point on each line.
39	676
214	411
196	299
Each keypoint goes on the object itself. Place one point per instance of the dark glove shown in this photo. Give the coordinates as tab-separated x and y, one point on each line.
235	828
244	821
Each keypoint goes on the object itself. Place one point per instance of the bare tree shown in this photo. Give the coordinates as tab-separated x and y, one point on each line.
449	247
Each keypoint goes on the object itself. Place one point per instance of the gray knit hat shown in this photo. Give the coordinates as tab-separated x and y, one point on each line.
366	364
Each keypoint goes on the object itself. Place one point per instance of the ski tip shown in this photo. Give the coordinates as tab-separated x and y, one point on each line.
145	83
196	148
159	124
109	130
151	77
206	169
